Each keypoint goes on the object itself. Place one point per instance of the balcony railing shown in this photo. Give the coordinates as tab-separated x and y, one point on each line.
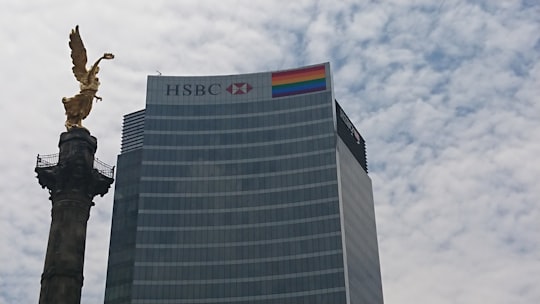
51	160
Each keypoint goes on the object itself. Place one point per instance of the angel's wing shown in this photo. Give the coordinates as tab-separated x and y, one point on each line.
78	55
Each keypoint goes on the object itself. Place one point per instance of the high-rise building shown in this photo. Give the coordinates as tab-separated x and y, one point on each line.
248	188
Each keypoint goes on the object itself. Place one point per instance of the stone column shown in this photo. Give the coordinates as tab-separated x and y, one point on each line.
72	183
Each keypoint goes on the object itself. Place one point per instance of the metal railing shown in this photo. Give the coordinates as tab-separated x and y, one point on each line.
51	160
104	168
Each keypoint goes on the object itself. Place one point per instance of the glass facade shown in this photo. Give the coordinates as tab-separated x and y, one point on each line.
226	194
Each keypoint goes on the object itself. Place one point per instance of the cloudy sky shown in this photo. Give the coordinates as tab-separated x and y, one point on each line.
446	94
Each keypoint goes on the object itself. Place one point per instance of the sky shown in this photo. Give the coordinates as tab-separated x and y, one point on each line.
445	93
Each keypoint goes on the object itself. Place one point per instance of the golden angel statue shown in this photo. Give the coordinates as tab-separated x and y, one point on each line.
78	107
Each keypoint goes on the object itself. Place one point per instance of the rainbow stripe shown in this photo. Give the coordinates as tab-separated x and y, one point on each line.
299	81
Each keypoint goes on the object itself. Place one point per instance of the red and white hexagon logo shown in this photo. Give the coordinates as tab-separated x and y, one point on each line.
239	88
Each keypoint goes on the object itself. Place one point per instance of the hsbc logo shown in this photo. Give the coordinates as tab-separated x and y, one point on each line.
213	89
239	88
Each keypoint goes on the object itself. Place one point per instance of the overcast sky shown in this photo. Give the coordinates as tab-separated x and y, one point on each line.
445	93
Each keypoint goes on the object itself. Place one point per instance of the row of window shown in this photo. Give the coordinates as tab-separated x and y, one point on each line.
232	276
244	289
245	261
236	216
286	248
239	152
233	122
270	105
194	174
172	169
326	296
122	294
220	234
239	137
159	201
163	185
251	271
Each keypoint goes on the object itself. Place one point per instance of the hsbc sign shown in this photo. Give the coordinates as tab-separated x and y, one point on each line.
193	89
207	89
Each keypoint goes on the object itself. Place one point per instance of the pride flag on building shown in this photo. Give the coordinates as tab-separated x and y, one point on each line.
299	81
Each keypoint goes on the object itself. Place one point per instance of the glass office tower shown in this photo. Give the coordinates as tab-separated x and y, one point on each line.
247	188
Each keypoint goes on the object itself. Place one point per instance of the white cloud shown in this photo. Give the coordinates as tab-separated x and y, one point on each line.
445	94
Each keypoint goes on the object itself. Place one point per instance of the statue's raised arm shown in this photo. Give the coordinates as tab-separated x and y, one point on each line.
78	107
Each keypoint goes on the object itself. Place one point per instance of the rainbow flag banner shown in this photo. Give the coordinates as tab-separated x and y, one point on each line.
299	81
